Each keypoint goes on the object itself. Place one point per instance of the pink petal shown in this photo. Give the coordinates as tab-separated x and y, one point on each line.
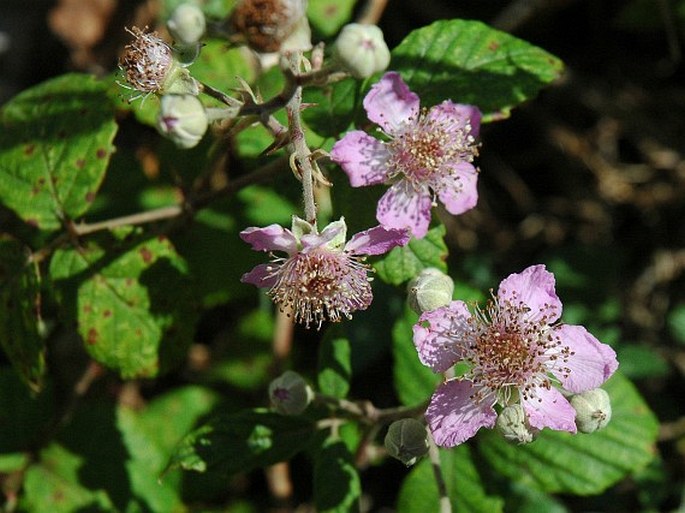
362	157
260	276
457	115
377	241
404	207
271	238
390	103
441	335
336	229
548	408
534	287
457	189
591	362
453	417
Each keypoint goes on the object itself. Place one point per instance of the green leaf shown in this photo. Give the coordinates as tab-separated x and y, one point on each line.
19	313
419	491
337	487
335	367
53	485
150	437
218	66
414	382
676	323
403	263
242	441
469	62
334	107
642	362
582	464
131	302
55	144
328	16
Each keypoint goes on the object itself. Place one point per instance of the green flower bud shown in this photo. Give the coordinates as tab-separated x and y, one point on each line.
407	441
361	50
593	410
513	425
186	24
183	119
290	394
430	290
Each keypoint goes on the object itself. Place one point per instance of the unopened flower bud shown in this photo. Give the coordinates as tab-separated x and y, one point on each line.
183	119
361	50
593	410
513	425
430	290
290	394
186	24
150	66
267	24
406	441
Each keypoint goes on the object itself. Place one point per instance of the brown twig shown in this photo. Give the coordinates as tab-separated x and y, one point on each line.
372	12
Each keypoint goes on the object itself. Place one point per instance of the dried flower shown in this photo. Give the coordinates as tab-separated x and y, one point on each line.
149	66
517	353
428	157
267	24
322	277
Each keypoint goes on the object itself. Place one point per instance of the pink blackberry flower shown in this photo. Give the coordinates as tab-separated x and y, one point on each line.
428	155
517	354
322	277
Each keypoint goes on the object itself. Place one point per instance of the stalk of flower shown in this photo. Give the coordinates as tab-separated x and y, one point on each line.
518	353
322	278
428	155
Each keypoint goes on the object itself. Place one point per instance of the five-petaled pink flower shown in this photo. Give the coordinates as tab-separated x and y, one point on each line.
429	155
322	277
517	352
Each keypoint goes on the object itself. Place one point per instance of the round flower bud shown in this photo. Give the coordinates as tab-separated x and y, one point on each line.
183	119
430	290
361	50
593	410
406	441
513	425
186	24
150	66
290	394
266	24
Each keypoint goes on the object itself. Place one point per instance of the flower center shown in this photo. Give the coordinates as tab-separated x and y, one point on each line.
428	148
322	285
511	352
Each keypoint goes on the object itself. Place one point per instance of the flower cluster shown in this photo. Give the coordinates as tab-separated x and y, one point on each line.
516	351
322	278
429	155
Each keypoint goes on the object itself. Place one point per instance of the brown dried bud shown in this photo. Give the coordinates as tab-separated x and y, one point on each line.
266	24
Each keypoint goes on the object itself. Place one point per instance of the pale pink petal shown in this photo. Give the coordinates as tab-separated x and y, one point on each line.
534	287
362	157
457	188
261	276
271	238
402	206
441	335
390	103
377	241
453	417
548	408
456	116
591	363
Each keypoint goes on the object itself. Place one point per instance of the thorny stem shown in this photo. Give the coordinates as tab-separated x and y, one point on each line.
367	412
372	12
434	455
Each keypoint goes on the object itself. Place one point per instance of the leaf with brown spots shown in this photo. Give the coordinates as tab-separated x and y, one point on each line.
134	310
55	145
469	62
20	314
